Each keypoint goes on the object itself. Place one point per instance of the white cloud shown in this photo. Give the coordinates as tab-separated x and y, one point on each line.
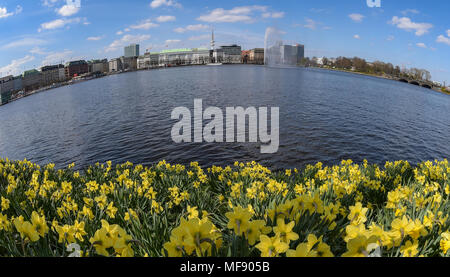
356	17
311	24
119	33
49	3
24	42
95	38
443	39
197	27
68	10
4	12
421	45
57	57
166	18
273	15
172	41
169	3
59	23
356	37
237	14
390	38
19	9
126	40
14	67
179	30
406	24
412	11
448	32
39	51
144	25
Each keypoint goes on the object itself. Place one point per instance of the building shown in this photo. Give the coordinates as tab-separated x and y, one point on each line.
245	56
148	60
6	89
32	80
131	51
319	61
280	54
292	54
7	84
254	56
98	66
228	54
52	74
257	56
129	63
185	56
300	52
76	68
115	65
18	83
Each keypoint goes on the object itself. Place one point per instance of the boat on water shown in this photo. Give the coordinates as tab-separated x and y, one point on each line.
215	64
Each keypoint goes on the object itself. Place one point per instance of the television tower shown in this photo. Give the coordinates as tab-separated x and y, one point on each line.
213	43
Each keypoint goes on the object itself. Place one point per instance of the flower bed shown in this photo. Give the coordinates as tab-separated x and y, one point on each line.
244	210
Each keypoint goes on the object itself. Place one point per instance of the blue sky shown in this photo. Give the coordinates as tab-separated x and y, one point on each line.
406	33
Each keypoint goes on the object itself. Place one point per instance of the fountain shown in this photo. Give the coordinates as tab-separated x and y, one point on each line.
278	54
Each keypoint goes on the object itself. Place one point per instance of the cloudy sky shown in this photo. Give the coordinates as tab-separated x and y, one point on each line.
410	33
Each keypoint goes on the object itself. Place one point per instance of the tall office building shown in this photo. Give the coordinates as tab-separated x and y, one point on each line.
132	51
300	52
292	54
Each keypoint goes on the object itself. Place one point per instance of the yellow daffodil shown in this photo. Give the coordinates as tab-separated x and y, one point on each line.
357	214
271	247
39	224
361	246
192	211
238	220
26	229
445	242
5	204
254	231
284	231
111	210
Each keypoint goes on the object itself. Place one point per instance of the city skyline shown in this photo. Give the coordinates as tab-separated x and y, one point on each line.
405	33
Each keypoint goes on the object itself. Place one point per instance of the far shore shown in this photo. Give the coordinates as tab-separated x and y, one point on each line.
374	75
71	82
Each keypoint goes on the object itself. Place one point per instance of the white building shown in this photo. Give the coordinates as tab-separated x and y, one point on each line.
62	74
185	56
115	65
98	66
148	60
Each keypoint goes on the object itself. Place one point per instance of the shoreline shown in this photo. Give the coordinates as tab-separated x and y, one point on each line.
377	76
68	83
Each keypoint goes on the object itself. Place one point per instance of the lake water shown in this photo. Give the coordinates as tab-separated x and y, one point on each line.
324	116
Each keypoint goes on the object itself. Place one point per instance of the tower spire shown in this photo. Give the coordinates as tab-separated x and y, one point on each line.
213	43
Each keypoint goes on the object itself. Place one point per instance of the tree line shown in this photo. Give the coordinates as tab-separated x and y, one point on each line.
361	65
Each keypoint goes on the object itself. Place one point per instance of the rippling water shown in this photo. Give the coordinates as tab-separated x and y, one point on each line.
324	116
